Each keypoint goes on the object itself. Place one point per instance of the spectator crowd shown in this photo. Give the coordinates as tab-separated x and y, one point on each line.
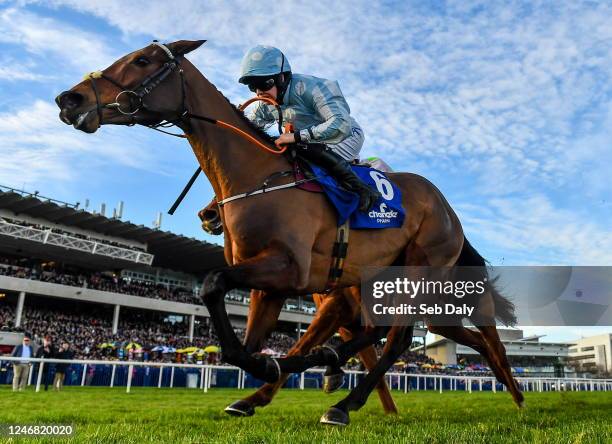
107	281
112	282
138	334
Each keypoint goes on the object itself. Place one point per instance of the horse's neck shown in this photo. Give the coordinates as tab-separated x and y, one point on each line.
232	164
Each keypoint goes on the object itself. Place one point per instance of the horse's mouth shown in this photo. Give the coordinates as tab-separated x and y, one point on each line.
80	119
85	121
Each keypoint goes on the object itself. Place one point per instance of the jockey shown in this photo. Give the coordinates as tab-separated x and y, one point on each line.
325	132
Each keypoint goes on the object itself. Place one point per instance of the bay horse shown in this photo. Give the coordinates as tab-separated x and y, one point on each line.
340	311
281	242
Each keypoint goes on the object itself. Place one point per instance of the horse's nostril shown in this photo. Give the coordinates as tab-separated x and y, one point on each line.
69	100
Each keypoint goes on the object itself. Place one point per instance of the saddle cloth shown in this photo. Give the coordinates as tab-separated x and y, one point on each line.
387	212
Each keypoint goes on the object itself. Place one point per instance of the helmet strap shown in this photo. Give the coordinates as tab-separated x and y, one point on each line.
282	86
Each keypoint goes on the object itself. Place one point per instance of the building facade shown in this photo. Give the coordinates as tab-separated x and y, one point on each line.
593	354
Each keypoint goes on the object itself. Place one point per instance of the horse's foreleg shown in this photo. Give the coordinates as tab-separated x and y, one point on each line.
399	339
264	310
332	356
273	269
327	320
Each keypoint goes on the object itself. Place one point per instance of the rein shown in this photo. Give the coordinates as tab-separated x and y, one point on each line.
264	188
149	84
152	81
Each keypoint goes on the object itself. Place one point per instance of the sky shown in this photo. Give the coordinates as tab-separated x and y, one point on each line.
504	106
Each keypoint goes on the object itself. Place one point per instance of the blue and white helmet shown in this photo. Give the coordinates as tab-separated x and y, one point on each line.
263	61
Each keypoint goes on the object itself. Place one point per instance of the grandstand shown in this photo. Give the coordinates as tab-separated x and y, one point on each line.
96	280
525	354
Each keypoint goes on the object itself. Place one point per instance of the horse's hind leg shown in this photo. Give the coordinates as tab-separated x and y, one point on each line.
476	341
497	357
398	340
369	358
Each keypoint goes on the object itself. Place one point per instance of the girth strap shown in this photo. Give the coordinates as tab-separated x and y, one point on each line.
338	255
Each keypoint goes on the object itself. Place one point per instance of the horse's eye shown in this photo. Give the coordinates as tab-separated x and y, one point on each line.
141	61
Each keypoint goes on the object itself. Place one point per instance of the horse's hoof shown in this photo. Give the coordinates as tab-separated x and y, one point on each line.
331	383
335	416
240	408
213	287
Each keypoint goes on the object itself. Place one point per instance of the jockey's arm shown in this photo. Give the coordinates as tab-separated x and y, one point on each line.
261	117
330	105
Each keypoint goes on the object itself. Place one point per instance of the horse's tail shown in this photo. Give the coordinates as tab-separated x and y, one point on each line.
504	309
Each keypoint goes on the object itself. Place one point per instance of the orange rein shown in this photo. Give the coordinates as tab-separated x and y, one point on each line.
247	135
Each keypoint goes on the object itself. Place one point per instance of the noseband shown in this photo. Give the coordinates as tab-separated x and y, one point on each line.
137	94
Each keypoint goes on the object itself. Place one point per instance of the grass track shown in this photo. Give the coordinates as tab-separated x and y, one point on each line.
186	416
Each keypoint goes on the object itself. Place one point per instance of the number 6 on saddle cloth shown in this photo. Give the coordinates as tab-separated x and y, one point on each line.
386	213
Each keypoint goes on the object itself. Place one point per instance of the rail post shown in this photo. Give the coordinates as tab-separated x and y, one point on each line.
39	376
129	380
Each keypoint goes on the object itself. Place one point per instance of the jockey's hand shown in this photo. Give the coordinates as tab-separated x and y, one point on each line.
285	139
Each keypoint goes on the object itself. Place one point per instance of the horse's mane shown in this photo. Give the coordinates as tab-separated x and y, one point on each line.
267	137
260	132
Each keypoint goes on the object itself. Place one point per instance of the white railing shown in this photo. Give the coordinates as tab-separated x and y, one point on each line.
74	243
397	381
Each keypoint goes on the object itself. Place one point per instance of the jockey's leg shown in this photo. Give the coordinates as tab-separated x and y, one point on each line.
339	169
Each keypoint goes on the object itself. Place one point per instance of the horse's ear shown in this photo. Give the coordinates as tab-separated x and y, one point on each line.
182	47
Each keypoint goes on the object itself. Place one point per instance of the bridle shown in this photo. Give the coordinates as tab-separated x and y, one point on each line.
153	81
138	93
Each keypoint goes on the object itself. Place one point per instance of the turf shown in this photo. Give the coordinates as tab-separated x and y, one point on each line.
185	416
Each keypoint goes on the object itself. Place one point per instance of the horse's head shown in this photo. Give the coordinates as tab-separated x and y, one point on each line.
144	87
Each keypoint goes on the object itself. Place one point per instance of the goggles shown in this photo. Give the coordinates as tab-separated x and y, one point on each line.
262	84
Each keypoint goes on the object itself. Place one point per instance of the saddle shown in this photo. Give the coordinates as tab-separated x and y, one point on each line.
302	174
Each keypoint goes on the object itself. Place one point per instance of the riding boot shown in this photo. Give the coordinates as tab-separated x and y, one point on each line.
339	169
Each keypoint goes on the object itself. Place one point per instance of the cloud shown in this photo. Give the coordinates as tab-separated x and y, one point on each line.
36	148
45	37
506	104
11	71
532	230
